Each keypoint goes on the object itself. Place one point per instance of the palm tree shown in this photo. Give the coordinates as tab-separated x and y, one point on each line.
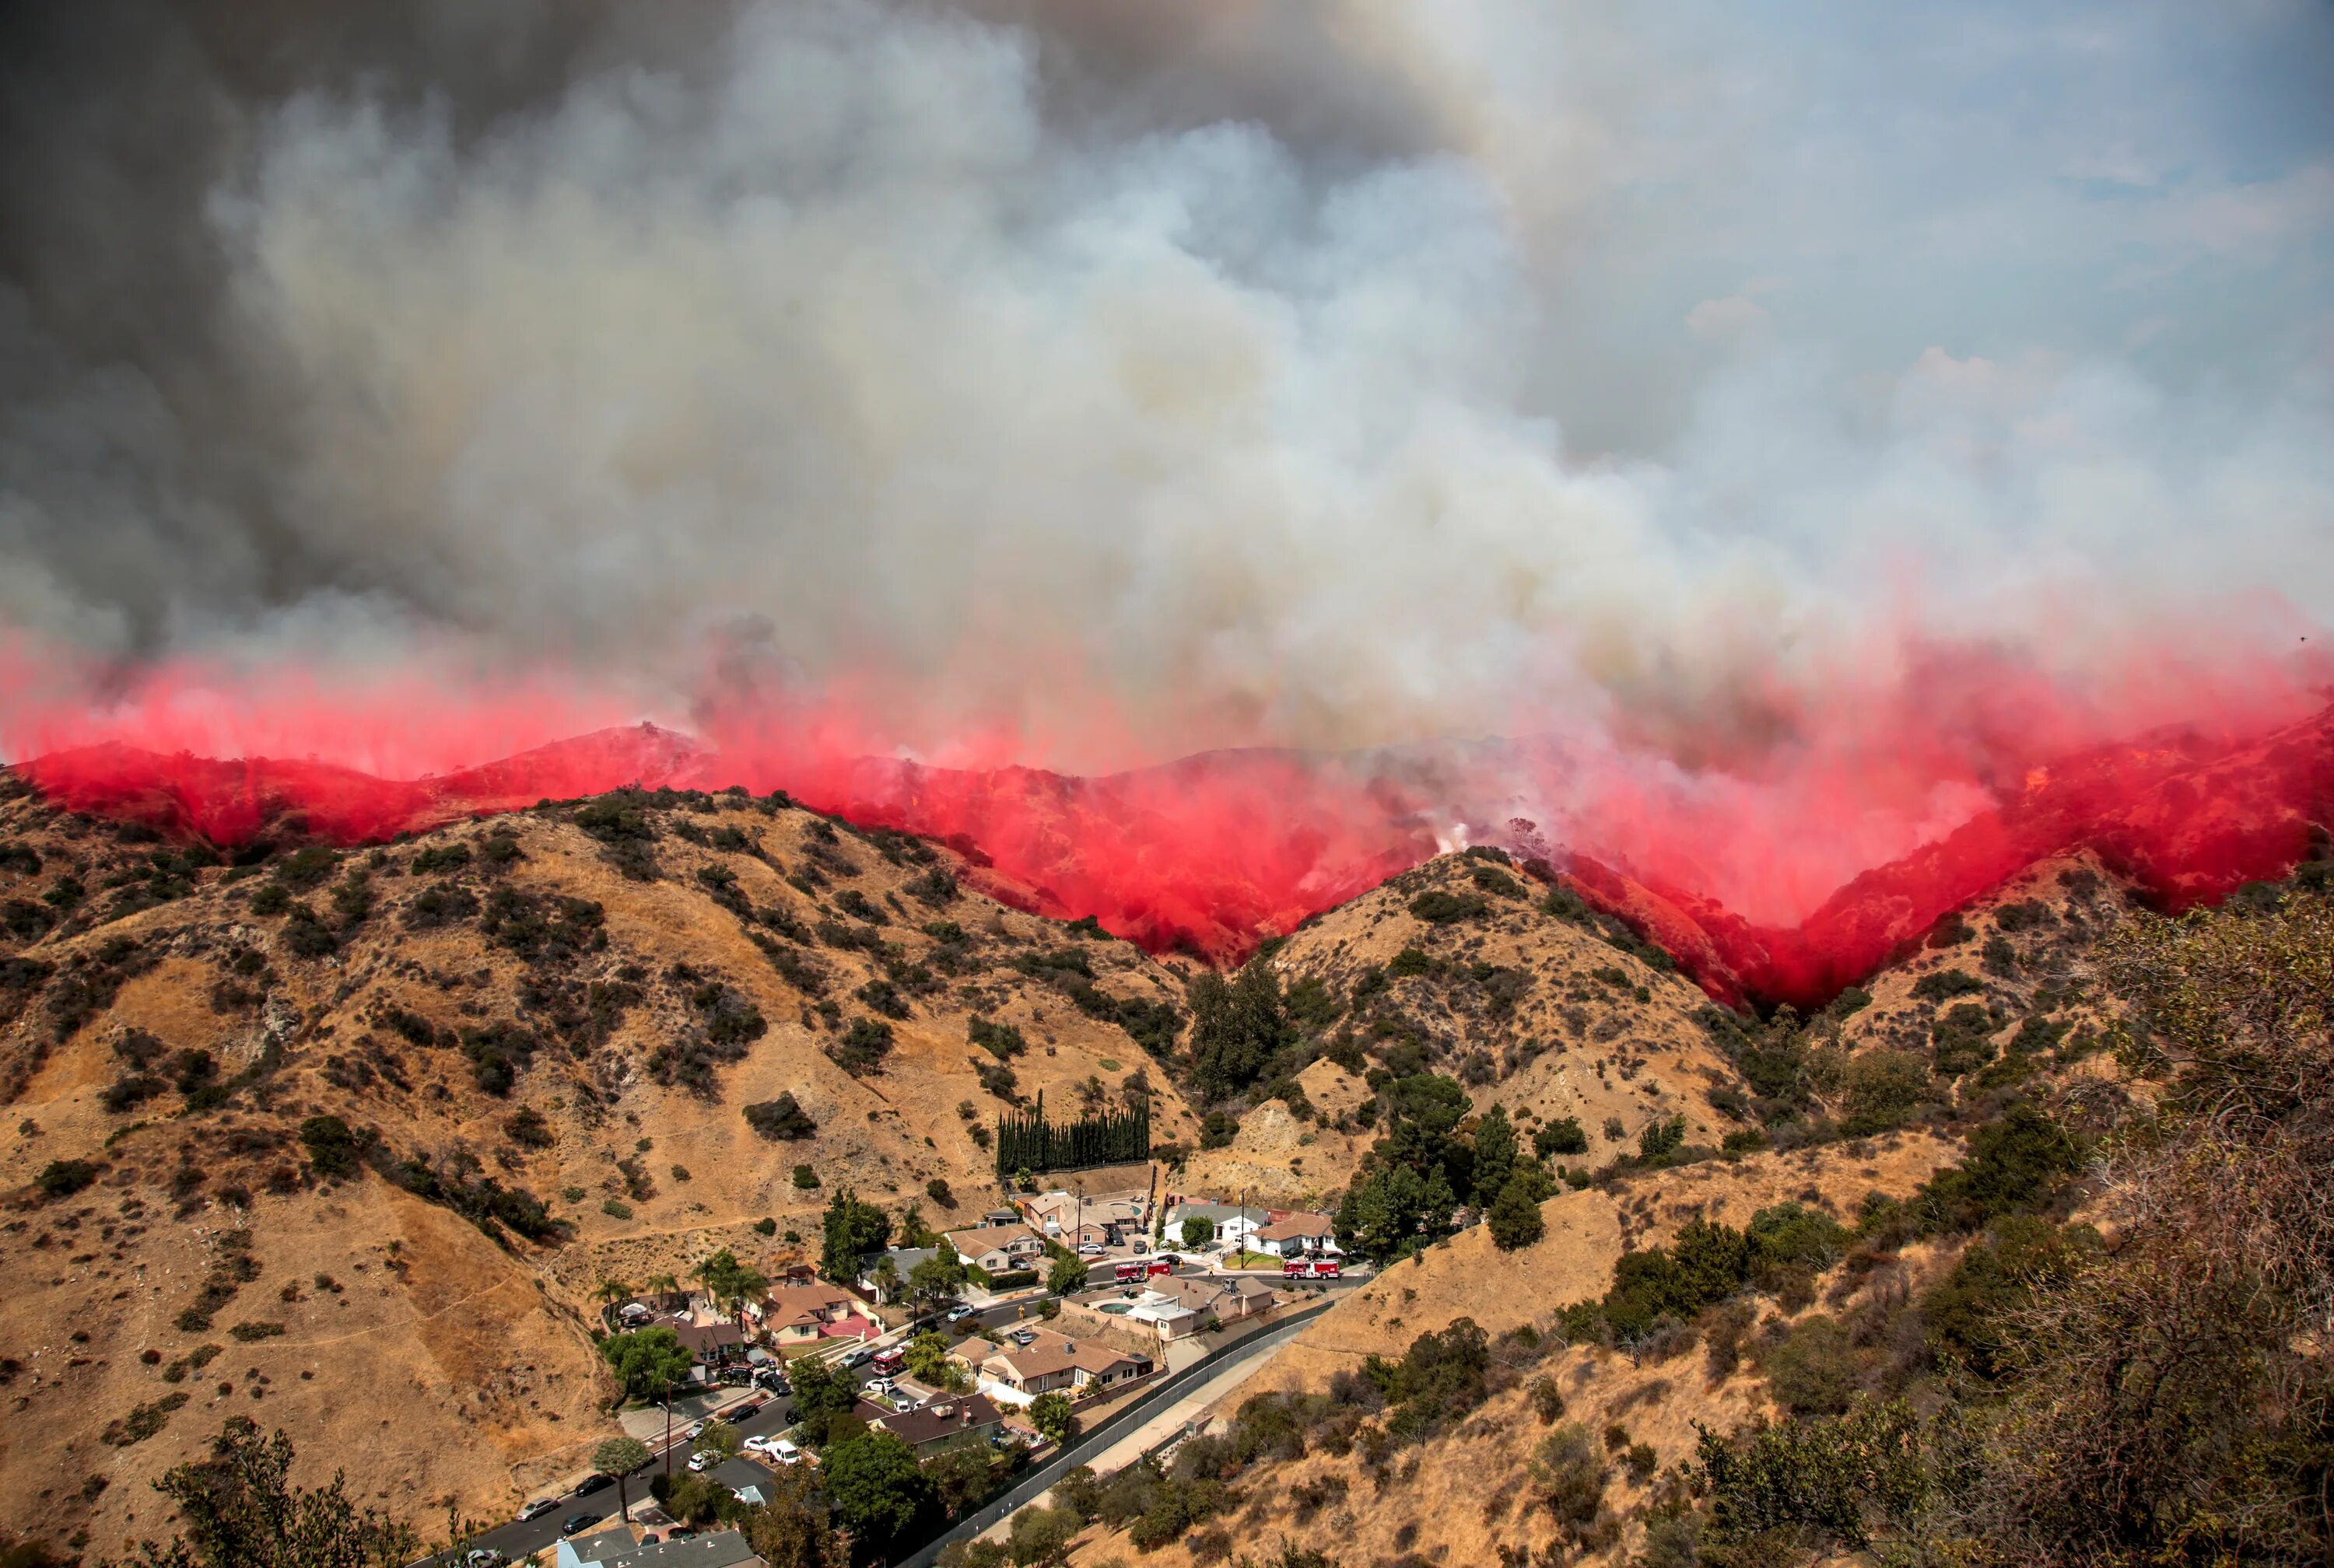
668	1284
612	1291
620	1457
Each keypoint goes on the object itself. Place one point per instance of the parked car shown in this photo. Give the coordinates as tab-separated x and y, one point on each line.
578	1523
879	1386
538	1508
702	1460
593	1482
956	1315
1023	1336
772	1381
783	1452
1091	1249
858	1358
761	1443
696	1430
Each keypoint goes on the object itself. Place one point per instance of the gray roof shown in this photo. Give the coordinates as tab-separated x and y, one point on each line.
903	1259
722	1549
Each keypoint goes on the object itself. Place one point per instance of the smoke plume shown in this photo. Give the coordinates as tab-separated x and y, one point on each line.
1761	419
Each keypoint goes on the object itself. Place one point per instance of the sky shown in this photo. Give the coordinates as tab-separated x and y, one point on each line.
1709	387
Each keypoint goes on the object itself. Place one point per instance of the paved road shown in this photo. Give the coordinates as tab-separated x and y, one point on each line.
519	1539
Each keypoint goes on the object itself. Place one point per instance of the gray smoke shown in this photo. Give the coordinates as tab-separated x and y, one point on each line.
1304	372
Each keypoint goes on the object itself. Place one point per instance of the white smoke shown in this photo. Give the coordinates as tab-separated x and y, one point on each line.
998	371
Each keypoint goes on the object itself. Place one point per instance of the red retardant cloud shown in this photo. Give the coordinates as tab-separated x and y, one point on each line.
1778	868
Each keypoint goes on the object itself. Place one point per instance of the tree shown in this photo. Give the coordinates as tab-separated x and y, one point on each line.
1198	1230
928	1358
239	1509
1041	1537
730	1283
620	1457
1052	1414
1495	1154
1237	1028
612	1291
1515	1219
876	1488
721	1437
1067	1277
1394	1212
852	1230
791	1529
646	1361
821	1389
938	1277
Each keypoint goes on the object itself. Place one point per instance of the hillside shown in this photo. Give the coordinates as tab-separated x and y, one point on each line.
1837	1302
568	1005
1537	1012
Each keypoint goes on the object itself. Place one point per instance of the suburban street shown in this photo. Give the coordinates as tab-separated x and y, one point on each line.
519	1539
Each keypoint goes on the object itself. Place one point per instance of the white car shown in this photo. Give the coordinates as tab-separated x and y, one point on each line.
703	1459
786	1453
956	1315
762	1443
696	1430
1091	1249
879	1386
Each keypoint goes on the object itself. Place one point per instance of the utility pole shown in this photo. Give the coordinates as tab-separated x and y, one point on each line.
668	1431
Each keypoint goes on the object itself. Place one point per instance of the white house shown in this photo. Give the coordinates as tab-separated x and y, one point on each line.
1299	1236
1233	1224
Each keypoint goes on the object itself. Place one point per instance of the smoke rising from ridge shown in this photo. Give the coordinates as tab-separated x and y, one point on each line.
1086	386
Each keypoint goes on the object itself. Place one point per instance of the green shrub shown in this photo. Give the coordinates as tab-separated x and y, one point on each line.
1960	1040
1939	984
1560	1136
781	1120
64	1178
1438	907
332	1147
1884	1089
1813	1372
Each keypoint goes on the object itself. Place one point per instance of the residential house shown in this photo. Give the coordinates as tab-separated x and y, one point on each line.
872	1276
1131	1309
1053	1362
1232	1224
1002	1216
946	1422
712	1344
1059	1214
999	1248
798	1315
599	1546
719	1549
1300	1235
1226	1297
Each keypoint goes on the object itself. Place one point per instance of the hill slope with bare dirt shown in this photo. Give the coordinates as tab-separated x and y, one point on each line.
550	1023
